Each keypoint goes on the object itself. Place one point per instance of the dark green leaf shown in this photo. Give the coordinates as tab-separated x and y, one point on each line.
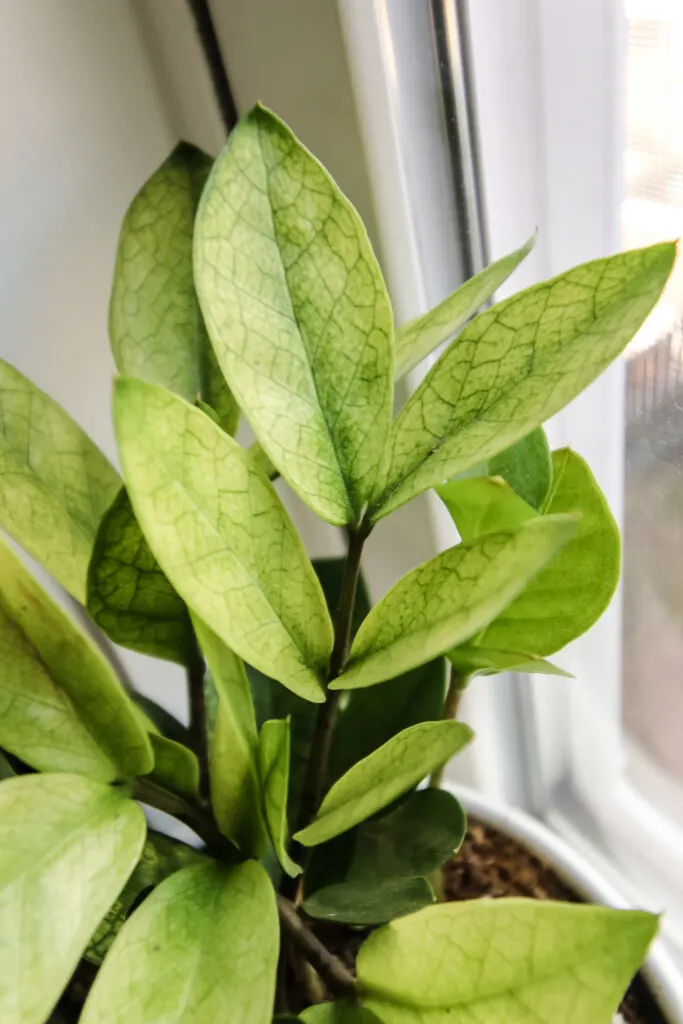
160	857
527	467
175	766
274	771
166	723
129	597
371	902
377	713
330	572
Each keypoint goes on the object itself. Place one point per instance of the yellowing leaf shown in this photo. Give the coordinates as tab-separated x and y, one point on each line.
419	337
222	536
447	600
67	846
62	708
298	315
517	364
156	328
508	961
203	947
128	595
55	484
564	600
384	775
274	756
234	769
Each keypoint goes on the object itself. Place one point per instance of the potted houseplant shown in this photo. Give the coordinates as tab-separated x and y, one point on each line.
317	892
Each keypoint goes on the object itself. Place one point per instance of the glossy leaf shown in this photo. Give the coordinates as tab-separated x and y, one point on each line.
55	484
449	599
129	597
175	766
156	328
234	766
161	856
370	902
62	708
482	505
67	846
574	590
506	961
377	713
471	660
384	775
416	339
526	467
203	947
274	768
222	536
518	364
298	314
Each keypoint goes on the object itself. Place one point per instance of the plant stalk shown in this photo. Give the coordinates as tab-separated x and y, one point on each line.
199	739
457	684
194	815
336	976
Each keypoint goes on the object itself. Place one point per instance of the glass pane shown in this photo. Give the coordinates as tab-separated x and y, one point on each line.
653	533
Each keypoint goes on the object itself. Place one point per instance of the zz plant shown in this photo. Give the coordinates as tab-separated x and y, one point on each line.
250	286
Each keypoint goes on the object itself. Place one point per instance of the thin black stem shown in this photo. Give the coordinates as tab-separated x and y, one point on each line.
199	740
322	740
457	684
336	976
206	32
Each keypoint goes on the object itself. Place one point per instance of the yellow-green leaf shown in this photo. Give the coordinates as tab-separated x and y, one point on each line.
274	755
416	339
62	707
298	315
156	328
175	766
384	775
202	948
508	961
471	660
67	846
234	767
482	505
527	467
450	598
222	536
55	484
517	364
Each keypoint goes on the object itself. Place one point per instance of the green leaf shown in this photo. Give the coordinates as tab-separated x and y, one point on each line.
450	598
517	364
6	770
298	314
338	1013
274	768
175	766
161	856
156	328
61	706
573	591
202	948
222	536
416	339
385	774
377	713
330	572
370	902
234	766
128	595
67	846
161	721
513	961
471	660
55	484
526	467
481	505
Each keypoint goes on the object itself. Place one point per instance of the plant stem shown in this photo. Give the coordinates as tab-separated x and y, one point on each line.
199	739
457	684
336	976
194	815
324	730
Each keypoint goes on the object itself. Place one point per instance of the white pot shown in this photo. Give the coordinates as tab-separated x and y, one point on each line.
663	978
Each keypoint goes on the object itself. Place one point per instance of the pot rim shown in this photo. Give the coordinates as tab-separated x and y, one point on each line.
660	971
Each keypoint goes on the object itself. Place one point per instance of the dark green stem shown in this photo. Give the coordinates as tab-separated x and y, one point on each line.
336	976
194	815
457	684
199	740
